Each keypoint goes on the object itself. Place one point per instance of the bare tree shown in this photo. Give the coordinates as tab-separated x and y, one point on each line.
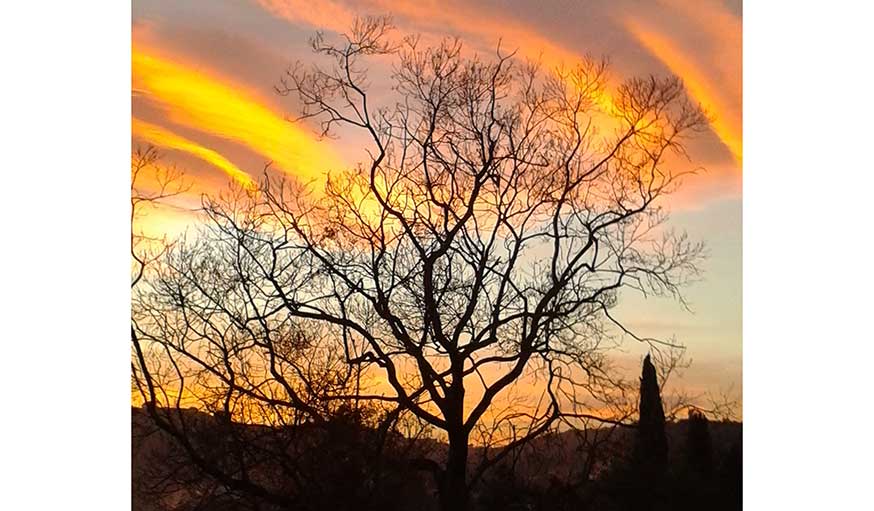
483	243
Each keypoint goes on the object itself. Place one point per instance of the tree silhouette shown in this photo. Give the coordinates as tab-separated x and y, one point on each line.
484	241
699	445
651	449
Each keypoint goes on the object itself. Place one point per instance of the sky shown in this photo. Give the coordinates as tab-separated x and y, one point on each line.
203	73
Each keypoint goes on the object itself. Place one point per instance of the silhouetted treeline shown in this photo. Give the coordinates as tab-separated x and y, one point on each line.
343	466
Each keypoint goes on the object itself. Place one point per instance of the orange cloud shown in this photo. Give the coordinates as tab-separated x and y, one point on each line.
713	19
483	31
325	14
726	125
164	138
195	99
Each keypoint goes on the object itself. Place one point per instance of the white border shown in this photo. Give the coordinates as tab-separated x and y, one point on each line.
65	121
808	194
808	189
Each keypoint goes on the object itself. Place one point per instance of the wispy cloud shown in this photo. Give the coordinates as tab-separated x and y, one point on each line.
326	14
161	137
725	123
198	100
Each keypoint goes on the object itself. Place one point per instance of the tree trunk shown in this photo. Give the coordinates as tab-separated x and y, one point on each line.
454	491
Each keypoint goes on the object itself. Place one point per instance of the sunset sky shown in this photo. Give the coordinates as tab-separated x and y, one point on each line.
203	73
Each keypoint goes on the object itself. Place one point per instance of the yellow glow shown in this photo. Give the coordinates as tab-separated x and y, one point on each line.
726	127
197	100
164	138
159	221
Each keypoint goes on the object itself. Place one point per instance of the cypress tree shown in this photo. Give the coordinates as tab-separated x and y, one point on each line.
651	448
